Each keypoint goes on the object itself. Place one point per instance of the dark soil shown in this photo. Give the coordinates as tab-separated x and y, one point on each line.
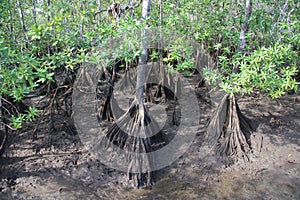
55	165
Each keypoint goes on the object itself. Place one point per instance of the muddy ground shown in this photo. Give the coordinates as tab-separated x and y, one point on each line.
56	165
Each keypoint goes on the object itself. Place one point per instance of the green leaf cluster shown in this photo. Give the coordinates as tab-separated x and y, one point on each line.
38	37
269	70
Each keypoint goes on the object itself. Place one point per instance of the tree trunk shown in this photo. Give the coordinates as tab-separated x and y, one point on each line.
99	15
81	26
245	26
22	21
11	24
131	5
34	12
229	130
133	130
160	12
143	115
48	5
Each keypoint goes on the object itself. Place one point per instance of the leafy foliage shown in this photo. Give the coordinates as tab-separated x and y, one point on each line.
37	37
273	39
270	70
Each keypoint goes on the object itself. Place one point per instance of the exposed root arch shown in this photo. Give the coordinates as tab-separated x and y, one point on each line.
229	130
132	133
